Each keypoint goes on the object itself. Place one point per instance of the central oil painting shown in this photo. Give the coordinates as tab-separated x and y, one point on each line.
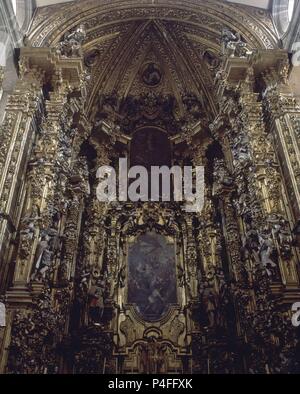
152	275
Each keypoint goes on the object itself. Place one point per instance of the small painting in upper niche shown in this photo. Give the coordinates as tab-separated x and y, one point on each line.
152	277
152	75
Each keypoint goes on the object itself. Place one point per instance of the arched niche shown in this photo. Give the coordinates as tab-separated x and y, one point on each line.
150	146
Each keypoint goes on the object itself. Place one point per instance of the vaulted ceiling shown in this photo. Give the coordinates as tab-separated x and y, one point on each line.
265	4
180	38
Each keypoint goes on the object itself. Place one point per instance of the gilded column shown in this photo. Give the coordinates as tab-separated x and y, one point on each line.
261	200
203	238
1	79
17	133
98	235
282	113
260	203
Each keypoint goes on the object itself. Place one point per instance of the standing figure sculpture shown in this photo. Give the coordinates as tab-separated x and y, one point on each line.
96	301
43	259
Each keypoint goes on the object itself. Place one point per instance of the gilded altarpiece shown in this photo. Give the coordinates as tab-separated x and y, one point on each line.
146	287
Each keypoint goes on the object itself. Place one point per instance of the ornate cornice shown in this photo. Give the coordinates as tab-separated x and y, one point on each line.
120	36
206	14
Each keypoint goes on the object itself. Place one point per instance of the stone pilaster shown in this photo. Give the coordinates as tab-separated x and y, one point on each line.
1	80
43	207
